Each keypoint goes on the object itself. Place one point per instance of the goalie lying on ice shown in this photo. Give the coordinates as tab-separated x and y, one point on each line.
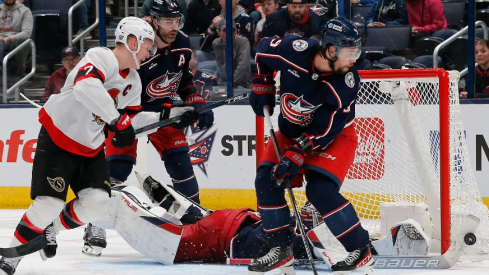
150	226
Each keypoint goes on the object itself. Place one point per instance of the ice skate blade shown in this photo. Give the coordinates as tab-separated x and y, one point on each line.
93	251
285	270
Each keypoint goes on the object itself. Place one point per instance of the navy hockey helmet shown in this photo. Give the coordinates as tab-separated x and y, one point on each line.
167	9
341	33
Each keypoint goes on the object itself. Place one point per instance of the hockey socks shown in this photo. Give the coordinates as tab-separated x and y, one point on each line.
179	167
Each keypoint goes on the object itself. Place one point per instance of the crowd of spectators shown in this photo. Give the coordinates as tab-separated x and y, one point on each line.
252	20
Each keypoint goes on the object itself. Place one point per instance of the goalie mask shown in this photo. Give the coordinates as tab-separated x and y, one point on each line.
139	29
340	33
168	14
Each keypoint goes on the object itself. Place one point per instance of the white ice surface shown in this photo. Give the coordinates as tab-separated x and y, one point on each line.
118	258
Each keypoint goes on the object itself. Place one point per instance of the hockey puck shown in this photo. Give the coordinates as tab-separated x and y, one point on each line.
470	238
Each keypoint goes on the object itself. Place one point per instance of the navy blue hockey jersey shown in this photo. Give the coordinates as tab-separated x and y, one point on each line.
317	104
167	73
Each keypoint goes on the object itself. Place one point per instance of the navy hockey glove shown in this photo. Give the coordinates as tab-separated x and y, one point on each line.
197	101
263	94
188	115
289	165
123	131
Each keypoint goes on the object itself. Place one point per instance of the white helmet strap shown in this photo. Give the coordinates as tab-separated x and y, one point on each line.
133	53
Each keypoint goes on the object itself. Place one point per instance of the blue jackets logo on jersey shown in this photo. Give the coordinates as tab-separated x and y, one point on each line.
350	80
300	45
296	109
164	86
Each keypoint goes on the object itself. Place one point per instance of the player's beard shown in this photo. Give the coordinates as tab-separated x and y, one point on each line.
340	70
168	36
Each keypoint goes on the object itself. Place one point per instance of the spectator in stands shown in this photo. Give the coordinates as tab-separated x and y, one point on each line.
146	8
296	18
203	80
250	6
482	69
70	56
387	13
241	57
425	17
200	15
268	7
16	25
244	25
81	14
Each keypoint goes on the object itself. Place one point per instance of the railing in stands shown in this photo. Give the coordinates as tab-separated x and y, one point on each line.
453	38
126	8
15	87
72	40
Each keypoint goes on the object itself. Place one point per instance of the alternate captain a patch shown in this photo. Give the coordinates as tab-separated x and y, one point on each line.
58	183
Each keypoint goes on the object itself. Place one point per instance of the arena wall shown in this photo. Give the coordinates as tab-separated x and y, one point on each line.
223	156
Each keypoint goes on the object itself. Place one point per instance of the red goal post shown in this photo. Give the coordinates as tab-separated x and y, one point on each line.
412	150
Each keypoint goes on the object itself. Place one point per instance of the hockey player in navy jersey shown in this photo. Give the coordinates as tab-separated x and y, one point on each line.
69	151
164	75
319	86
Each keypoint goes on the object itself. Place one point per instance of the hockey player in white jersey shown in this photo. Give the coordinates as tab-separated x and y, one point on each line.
70	143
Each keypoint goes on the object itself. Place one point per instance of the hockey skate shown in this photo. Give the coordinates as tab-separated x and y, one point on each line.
50	250
95	240
358	259
7	266
280	257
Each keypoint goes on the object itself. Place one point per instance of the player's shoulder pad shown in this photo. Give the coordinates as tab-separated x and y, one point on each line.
290	45
100	57
181	41
184	34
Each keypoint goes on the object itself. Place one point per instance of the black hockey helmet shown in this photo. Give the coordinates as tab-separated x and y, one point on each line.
341	33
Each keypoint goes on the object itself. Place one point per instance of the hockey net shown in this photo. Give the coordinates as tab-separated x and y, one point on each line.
412	151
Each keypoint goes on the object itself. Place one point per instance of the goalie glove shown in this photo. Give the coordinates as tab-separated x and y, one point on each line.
187	114
289	165
123	131
205	118
263	94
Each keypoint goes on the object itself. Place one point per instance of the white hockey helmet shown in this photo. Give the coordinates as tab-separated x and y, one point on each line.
137	27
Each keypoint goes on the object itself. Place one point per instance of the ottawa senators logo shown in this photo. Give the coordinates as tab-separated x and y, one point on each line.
113	93
57	183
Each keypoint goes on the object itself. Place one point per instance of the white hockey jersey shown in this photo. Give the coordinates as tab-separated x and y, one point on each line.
92	93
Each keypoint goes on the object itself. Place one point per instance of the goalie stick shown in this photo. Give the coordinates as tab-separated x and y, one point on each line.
291	195
30	247
141	131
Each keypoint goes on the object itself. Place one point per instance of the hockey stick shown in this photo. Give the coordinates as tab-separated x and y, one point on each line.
30	101
140	131
289	190
30	247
